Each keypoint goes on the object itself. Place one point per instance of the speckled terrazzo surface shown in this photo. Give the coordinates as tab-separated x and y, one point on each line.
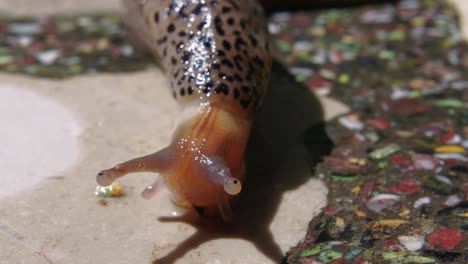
398	172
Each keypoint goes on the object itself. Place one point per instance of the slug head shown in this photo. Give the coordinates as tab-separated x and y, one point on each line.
202	167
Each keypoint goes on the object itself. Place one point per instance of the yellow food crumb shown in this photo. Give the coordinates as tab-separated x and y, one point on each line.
117	189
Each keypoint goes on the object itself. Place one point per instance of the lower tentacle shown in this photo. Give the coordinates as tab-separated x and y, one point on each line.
150	191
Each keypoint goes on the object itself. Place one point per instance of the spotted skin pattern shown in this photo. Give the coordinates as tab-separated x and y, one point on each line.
217	61
209	48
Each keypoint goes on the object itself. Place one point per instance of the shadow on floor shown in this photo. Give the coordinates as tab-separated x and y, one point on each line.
287	140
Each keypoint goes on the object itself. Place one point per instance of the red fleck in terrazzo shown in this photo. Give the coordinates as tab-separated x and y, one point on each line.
447	239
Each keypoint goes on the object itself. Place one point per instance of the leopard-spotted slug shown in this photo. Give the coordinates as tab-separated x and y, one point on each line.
216	58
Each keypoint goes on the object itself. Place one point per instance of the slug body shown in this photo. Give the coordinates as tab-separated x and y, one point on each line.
217	61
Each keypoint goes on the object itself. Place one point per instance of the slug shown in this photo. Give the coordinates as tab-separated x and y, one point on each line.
216	58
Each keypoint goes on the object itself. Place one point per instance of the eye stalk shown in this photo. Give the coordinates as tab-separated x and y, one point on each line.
232	186
218	172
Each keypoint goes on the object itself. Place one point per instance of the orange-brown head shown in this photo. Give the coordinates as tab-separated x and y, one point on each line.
204	164
208	158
